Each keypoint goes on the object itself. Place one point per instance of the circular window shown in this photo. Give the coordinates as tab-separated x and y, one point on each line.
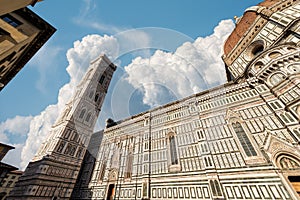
258	65
275	54
254	49
291	49
294	69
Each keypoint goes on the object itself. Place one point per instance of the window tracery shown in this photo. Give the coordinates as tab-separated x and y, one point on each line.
88	117
173	150
244	139
288	162
82	113
61	146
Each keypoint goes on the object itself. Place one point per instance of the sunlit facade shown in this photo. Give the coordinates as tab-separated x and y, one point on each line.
236	141
22	34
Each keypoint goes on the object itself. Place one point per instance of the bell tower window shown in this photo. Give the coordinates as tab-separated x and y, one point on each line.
96	97
82	114
88	117
101	80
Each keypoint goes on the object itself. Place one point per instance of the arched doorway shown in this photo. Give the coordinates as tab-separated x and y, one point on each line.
2	195
110	192
290	167
112	178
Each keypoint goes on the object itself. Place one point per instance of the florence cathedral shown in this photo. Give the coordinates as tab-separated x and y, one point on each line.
239	140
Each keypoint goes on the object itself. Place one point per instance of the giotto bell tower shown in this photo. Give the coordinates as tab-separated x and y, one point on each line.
52	173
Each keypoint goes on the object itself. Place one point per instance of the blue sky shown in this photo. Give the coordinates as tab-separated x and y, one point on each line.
133	29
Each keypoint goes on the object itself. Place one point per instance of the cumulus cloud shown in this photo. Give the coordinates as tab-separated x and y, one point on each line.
14	129
190	69
3	138
15	126
13	157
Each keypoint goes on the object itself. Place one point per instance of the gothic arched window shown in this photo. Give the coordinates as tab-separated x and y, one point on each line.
128	172
72	150
215	188
217	185
91	94
96	97
78	154
102	171
101	80
244	139
288	162
82	113
173	150
68	149
74	136
88	117
61	146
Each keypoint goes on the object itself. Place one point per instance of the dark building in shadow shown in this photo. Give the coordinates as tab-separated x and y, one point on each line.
22	34
81	189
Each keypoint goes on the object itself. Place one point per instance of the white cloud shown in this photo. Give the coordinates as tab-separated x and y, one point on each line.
3	138
87	18
15	126
14	129
39	129
89	5
190	69
13	157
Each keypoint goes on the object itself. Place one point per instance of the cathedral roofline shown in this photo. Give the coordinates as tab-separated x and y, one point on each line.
248	20
6	146
213	91
240	43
